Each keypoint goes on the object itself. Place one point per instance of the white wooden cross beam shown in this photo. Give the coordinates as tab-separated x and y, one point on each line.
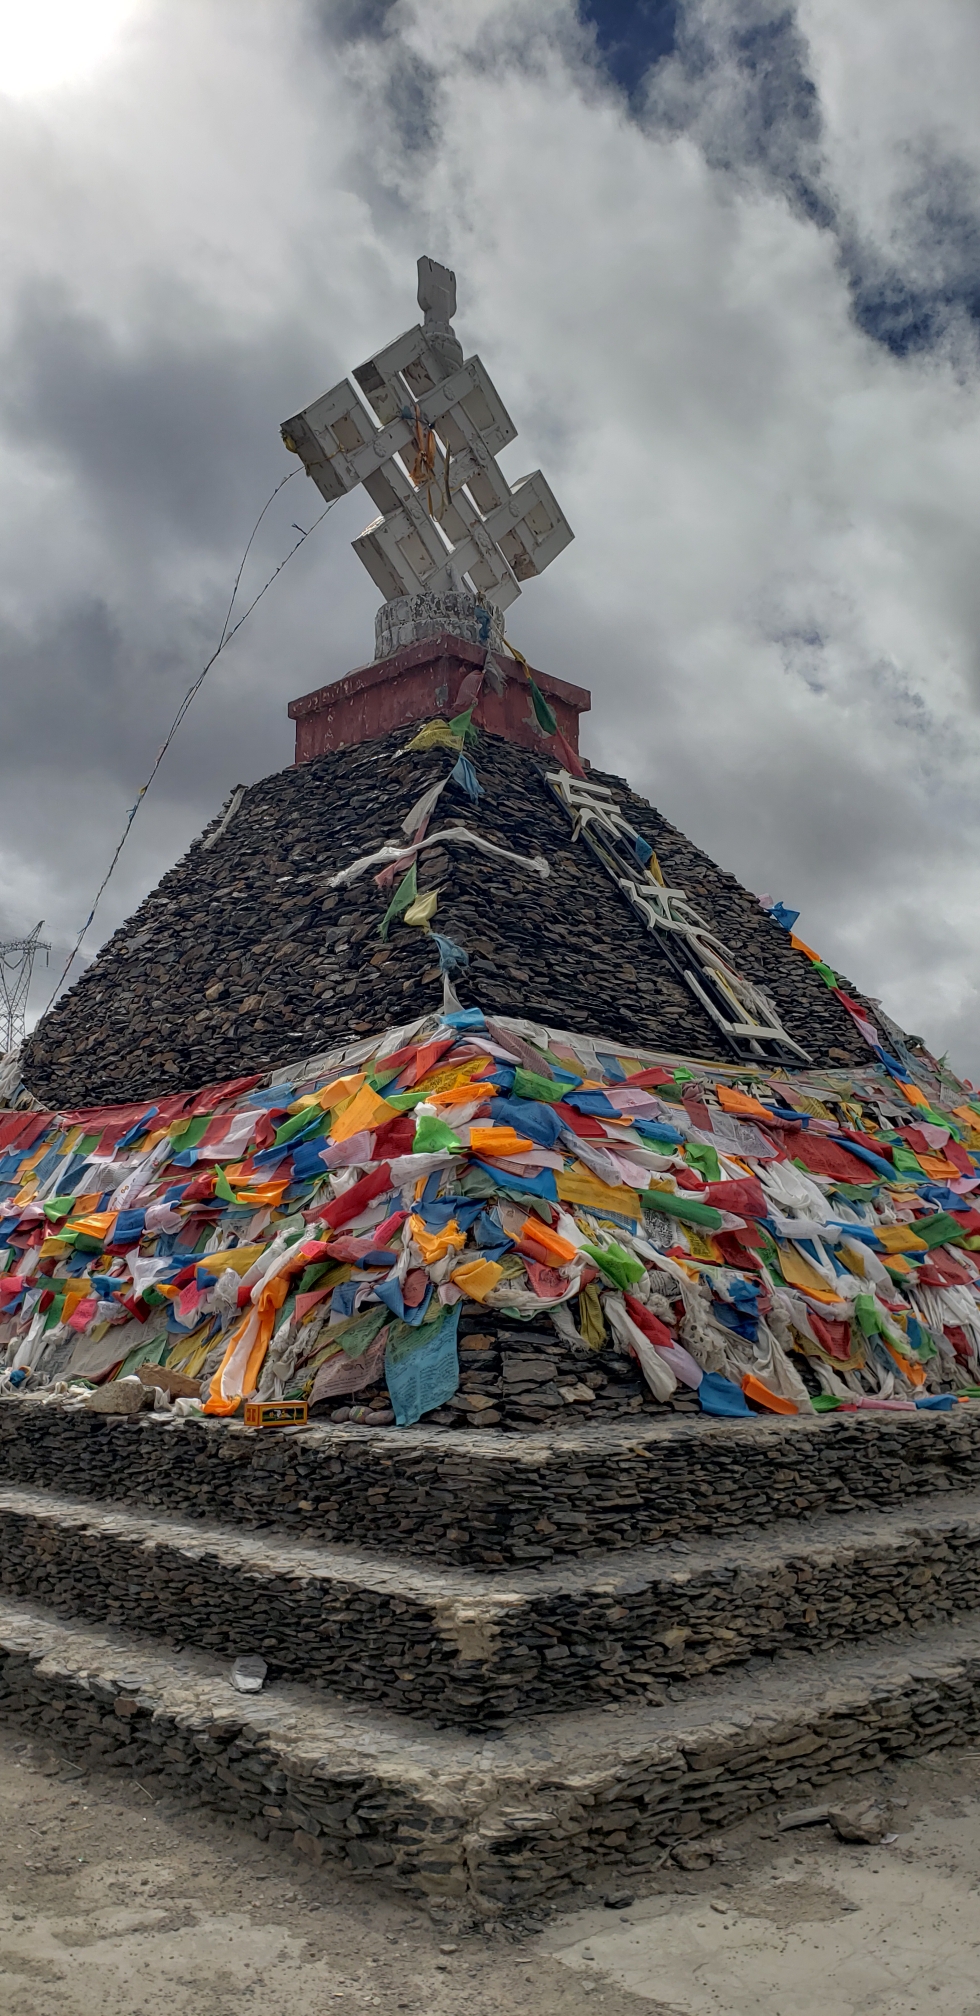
423	440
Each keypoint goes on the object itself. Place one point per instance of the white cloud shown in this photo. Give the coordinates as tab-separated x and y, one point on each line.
773	591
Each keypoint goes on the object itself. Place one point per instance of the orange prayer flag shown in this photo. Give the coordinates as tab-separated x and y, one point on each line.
731	1101
338	1090
461	1095
912	1093
754	1389
498	1141
539	1234
366	1111
937	1166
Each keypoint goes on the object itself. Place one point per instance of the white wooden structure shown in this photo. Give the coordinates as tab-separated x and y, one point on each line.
422	434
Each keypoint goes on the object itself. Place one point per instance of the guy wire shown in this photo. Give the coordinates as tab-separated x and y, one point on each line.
223	643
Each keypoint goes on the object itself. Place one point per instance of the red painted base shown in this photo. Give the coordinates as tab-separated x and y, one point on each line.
422	681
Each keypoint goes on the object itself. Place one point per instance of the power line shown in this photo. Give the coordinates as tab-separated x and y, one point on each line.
192	691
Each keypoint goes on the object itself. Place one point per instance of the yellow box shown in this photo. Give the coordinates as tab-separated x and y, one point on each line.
274	1413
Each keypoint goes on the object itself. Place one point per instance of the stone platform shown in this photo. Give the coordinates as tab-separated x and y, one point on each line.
566	1801
499	1666
493	1500
479	1649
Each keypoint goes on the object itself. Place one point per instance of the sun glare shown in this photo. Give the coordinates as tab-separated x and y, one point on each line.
45	44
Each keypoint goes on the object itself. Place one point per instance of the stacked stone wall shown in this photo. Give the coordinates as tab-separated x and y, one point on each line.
489	1500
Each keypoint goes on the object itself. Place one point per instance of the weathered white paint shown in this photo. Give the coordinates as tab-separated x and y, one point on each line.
424	445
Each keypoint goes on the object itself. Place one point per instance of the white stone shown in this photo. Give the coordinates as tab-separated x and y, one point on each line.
121	1396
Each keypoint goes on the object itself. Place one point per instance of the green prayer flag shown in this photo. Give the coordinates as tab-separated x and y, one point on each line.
702	1156
542	712
529	1085
432	1135
382	1075
941	1230
620	1267
684	1208
153	1352
312	1120
314	1275
906	1161
59	1207
356	1333
401	901
187	1134
223	1189
461	725
867	1315
404	1101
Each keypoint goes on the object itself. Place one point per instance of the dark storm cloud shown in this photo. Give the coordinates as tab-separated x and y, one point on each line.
168	423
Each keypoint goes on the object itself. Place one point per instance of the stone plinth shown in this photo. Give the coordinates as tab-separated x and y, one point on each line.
411	619
423	680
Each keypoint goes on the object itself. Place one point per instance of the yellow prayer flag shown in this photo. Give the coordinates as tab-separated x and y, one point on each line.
799	1273
900	1239
477	1277
239	1258
579	1186
366	1111
422	910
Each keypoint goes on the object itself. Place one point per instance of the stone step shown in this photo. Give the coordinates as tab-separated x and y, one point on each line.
565	1801
478	1650
495	1500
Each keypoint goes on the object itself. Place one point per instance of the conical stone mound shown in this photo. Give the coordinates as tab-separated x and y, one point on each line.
244	955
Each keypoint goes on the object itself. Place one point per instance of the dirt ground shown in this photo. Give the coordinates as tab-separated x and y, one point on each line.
798	1924
112	1904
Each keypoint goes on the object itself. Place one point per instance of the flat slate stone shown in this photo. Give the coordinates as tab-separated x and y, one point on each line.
243	957
556	1803
481	1649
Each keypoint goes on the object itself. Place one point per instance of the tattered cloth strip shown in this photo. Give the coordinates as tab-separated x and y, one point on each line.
765	1243
340	1374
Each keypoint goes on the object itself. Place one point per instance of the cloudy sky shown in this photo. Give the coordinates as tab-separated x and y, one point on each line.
722	258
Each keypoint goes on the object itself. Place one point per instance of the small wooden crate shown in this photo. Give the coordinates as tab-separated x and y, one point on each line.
274	1413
